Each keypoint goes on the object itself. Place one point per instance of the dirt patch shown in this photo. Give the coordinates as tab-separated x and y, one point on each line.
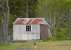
24	49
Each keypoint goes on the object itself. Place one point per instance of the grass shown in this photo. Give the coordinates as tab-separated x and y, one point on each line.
50	45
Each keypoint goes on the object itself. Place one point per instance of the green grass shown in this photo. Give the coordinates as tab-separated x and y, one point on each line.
50	45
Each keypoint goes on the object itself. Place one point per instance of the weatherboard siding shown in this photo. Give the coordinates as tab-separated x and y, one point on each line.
20	33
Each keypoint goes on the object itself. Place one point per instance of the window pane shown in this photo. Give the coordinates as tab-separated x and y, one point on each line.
28	28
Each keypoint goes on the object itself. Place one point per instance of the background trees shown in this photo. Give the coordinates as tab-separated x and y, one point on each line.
57	12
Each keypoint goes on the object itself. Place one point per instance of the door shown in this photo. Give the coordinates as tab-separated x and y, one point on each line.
43	32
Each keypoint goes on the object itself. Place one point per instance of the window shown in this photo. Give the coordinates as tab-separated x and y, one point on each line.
28	28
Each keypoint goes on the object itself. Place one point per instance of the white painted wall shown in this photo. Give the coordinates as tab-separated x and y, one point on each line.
19	32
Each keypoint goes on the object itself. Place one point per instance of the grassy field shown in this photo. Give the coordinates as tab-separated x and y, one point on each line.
50	45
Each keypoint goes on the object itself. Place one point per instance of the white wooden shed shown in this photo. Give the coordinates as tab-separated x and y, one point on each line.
30	29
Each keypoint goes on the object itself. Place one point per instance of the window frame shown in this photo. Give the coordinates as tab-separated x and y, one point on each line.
28	28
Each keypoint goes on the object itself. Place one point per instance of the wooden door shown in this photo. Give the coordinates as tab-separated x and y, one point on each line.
43	32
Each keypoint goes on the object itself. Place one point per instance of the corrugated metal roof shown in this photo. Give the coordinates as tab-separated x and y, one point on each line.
30	21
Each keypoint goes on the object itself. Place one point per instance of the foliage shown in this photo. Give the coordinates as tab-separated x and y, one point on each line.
56	12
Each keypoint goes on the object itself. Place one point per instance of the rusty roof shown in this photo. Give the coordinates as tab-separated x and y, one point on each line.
21	21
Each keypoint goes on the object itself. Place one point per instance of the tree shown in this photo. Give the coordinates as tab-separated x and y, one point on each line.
57	12
4	22
22	7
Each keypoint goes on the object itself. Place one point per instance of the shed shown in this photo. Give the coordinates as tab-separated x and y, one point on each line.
30	29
